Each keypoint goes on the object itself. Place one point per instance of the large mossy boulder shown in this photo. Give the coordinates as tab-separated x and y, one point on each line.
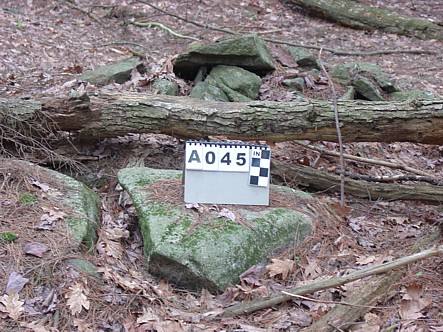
78	204
228	83
248	52
195	246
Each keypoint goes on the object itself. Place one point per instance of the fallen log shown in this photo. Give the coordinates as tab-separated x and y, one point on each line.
307	177
357	15
112	115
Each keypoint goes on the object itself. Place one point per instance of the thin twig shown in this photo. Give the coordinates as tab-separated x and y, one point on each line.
336	328
366	160
205	26
337	127
74	6
394	178
347	53
120	43
334	302
248	307
164	27
277	41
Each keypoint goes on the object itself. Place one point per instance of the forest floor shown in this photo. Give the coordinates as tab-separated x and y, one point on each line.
45	44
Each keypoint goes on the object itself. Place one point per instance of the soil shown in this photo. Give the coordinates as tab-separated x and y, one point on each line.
46	45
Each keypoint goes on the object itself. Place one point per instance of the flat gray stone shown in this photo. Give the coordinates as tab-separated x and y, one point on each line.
366	88
248	52
200	249
304	57
118	72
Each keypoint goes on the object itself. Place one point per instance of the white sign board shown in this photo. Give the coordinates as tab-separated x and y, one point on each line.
227	173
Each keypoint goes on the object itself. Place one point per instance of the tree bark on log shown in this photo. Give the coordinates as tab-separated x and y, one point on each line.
322	181
111	115
359	16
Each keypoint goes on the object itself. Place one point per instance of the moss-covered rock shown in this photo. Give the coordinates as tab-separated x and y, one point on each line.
80	204
304	57
85	266
349	94
228	83
84	217
237	83
118	72
165	87
297	83
248	52
341	73
206	91
201	250
366	88
344	74
412	94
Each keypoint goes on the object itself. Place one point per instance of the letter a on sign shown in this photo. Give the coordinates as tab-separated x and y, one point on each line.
194	157
194	154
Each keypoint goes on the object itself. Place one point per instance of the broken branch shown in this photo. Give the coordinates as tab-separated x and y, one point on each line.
251	306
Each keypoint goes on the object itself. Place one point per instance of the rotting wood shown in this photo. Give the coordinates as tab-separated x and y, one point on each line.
112	115
308	177
357	15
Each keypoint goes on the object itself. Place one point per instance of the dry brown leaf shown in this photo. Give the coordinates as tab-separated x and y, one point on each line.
109	248
252	275
48	219
16	282
227	214
412	303
35	249
77	299
13	305
169	326
82	325
312	270
148	316
43	186
206	299
363	260
279	266
372	323
38	326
